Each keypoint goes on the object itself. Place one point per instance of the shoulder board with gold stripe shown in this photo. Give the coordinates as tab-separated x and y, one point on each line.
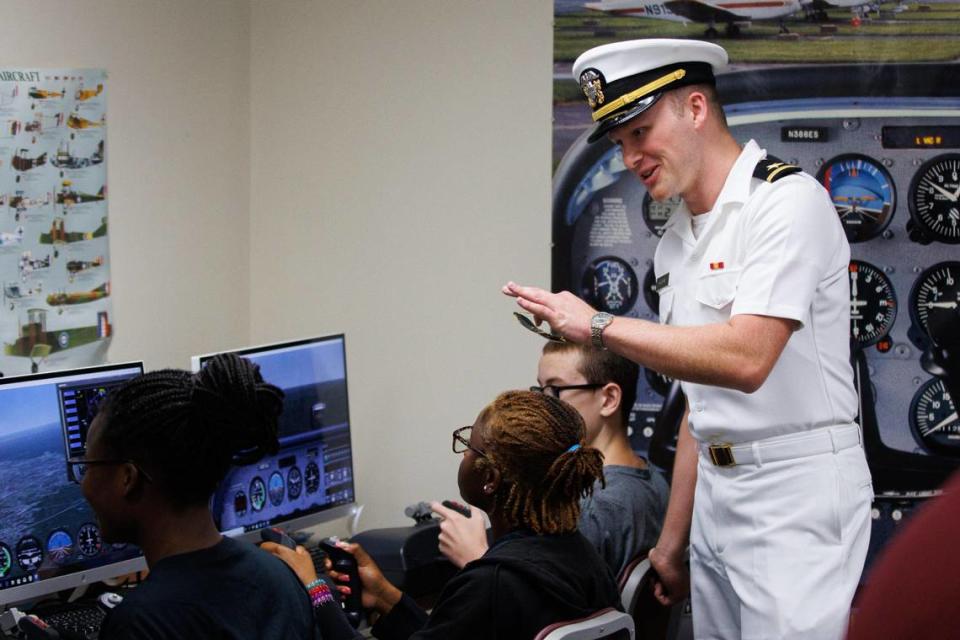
771	169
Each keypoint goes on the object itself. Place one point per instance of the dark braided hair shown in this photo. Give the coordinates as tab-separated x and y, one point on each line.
528	437
186	429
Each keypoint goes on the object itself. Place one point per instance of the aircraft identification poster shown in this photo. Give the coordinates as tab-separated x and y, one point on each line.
54	258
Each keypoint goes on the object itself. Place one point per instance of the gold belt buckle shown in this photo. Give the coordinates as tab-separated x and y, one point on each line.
721	455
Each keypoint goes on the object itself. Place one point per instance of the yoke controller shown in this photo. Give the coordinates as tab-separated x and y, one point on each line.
345	563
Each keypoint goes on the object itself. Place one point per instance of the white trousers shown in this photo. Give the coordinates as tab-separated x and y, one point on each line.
777	549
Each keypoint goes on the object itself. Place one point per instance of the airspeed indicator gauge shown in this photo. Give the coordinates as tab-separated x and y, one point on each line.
258	494
933	418
934	195
873	303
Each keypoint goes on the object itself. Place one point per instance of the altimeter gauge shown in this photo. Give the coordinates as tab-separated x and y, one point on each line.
935	295
934	195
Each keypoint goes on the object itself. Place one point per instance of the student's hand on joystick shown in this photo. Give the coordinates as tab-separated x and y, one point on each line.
378	593
462	539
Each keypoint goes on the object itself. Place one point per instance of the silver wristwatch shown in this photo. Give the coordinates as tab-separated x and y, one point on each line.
598	323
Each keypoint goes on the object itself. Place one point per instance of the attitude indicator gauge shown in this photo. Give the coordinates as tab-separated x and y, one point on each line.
862	192
610	285
873	303
277	488
933	418
59	546
258	494
934	206
935	295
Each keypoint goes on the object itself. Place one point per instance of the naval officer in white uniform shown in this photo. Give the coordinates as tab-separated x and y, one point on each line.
771	488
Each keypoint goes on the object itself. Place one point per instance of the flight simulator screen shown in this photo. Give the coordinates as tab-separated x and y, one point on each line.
47	529
313	471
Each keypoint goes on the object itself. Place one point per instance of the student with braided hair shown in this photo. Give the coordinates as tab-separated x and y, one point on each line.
155	453
525	465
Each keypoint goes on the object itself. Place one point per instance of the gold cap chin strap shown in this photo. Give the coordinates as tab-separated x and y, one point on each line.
636	94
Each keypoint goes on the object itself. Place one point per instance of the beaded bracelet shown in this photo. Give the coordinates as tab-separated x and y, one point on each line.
315	583
319	593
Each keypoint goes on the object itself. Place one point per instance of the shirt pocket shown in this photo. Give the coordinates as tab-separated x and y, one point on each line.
717	289
667	296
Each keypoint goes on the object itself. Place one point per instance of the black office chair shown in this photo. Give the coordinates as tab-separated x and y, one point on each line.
651	619
606	624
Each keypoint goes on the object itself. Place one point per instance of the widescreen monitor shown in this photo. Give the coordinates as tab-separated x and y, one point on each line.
49	537
310	480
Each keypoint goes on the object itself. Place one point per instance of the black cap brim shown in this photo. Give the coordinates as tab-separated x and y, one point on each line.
624	116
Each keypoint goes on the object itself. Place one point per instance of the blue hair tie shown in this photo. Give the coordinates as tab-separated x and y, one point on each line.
573	448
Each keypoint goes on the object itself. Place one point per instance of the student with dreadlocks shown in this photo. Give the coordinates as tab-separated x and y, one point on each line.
155	453
524	464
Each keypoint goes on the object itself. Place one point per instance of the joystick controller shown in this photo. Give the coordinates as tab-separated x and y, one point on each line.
271	534
345	563
459	507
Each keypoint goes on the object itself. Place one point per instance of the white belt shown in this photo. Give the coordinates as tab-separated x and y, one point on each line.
794	445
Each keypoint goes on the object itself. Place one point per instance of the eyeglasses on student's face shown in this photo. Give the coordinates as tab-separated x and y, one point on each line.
79	466
554	390
461	441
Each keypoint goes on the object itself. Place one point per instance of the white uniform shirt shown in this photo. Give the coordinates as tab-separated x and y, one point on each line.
770	249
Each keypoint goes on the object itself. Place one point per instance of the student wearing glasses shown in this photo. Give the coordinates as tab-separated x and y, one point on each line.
525	464
155	453
624	515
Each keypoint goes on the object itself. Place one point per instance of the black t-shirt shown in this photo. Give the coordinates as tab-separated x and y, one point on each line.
231	591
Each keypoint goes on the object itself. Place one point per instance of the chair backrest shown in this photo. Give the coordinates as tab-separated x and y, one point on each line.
606	624
651	619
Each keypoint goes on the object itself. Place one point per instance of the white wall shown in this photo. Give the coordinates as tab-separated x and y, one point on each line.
400	174
178	159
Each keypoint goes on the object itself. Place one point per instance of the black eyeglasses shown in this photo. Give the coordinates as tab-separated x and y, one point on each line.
554	390
461	441
527	323
78	466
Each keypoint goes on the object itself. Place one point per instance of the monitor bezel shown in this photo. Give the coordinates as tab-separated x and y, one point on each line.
47	586
311	519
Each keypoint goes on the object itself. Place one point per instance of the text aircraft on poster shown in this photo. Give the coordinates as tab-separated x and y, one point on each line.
732	12
9	239
79	266
62	298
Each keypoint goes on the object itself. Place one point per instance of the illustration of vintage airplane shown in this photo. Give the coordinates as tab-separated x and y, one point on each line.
68	197
20	203
10	239
76	122
79	266
65	160
36	342
62	298
28	265
44	94
732	12
13	294
86	94
59	235
21	162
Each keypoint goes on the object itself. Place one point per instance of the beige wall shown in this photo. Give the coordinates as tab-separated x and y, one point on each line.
178	159
285	168
400	163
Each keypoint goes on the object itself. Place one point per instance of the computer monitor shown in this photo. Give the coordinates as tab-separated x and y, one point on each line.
49	537
310	480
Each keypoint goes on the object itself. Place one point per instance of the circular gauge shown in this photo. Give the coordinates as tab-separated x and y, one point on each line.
29	553
277	488
240	503
862	192
258	493
933	418
650	294
656	214
6	560
311	477
294	483
934	195
610	285
59	546
657	381
873	304
935	295
88	540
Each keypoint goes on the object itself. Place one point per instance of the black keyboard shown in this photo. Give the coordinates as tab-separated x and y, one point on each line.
82	620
